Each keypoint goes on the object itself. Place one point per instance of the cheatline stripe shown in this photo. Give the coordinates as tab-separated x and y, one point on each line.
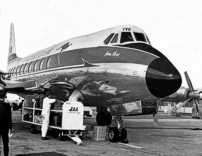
101	66
130	145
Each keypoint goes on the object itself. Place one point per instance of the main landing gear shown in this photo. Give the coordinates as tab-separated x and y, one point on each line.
114	133
103	118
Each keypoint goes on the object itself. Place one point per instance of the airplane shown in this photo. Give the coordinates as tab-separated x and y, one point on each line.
116	70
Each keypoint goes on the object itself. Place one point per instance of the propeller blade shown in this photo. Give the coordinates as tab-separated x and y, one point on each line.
181	104
192	90
178	106
198	109
199	91
189	81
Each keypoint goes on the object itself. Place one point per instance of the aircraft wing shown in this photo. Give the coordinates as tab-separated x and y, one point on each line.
59	88
19	87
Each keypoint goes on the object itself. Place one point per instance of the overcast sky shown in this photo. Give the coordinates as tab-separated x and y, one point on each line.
173	26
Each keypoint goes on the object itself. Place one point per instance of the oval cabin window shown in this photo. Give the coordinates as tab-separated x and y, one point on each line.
52	61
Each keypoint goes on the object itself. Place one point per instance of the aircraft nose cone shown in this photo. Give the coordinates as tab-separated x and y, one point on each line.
162	78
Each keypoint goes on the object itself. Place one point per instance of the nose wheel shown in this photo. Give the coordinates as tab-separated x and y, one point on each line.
115	134
123	135
118	133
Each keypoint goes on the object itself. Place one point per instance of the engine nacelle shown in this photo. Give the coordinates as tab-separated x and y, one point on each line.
187	93
183	92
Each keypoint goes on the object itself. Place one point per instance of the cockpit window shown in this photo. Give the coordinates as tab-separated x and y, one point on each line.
126	37
114	40
140	37
148	39
106	41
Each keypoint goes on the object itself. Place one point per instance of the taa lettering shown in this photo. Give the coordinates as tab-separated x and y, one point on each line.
73	109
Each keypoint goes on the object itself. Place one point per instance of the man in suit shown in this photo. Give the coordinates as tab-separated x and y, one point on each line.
5	121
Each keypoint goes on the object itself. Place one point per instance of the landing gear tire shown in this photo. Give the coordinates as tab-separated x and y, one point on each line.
99	118
103	118
108	118
60	136
123	135
33	129
113	134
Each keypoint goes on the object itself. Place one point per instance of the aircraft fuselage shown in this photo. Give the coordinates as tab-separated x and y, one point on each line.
108	74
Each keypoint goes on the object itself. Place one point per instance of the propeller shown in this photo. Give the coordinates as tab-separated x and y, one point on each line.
193	95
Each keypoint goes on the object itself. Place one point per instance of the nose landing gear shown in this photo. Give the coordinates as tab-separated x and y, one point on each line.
115	131
118	133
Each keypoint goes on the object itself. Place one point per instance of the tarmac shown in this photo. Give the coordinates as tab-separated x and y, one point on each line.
171	136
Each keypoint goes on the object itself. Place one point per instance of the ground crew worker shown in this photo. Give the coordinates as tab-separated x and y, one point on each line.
5	121
47	101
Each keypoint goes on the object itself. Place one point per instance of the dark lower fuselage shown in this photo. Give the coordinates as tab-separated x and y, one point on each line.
111	75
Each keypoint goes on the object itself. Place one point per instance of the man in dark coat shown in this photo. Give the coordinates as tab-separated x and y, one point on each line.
5	122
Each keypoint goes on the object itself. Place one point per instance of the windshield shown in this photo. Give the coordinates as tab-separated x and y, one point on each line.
126	37
140	37
115	39
106	41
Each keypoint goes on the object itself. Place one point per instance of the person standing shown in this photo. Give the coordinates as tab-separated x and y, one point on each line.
47	102
5	122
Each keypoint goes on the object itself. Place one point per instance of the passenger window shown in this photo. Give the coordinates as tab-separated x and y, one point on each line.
22	69
48	62
107	40
26	67
126	37
18	70
140	37
14	71
114	40
36	66
31	65
44	66
52	61
41	64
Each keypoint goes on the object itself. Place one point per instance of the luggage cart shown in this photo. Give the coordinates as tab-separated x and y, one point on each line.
72	121
71	112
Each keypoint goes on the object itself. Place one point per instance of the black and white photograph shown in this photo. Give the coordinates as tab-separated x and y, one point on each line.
100	78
